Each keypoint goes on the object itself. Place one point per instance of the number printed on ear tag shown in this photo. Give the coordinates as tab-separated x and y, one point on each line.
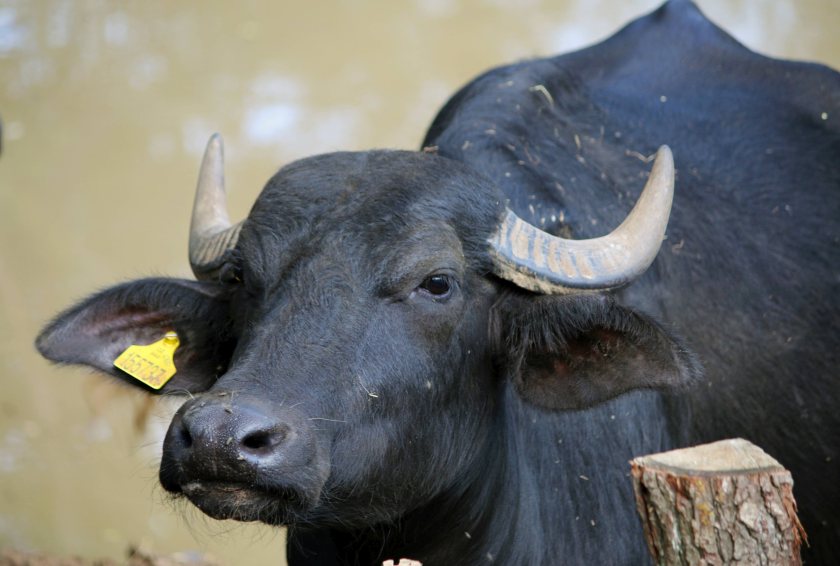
153	364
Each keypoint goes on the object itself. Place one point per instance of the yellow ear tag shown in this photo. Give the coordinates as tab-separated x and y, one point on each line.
152	364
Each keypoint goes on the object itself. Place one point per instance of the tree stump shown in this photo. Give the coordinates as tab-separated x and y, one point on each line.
722	503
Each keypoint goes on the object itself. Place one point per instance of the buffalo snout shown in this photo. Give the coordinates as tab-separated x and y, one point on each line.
219	445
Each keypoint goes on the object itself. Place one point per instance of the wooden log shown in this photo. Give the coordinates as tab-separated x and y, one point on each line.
722	503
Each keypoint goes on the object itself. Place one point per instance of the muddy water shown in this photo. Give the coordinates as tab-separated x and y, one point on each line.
106	107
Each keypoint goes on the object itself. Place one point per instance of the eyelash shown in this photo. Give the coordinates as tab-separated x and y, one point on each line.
439	286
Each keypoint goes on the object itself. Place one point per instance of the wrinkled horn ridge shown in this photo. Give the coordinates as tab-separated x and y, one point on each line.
211	233
537	261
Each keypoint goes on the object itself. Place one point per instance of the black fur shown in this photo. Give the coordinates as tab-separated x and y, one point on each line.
488	424
749	272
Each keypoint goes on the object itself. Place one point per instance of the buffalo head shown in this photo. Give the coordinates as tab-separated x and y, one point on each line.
346	345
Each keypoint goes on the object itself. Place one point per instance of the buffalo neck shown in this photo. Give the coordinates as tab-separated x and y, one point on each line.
474	521
537	479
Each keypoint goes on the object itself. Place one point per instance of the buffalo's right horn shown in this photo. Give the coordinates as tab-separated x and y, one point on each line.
541	262
211	233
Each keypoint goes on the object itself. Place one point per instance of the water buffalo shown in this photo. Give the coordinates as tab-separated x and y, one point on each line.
440	354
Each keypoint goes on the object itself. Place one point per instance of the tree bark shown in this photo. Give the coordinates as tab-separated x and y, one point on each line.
722	503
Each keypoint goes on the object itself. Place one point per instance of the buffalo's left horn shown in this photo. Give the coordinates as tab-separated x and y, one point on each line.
537	261
211	233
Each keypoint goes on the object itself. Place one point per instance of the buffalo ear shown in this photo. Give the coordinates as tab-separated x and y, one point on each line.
572	352
97	330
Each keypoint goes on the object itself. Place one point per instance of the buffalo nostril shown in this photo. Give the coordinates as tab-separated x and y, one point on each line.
264	441
185	437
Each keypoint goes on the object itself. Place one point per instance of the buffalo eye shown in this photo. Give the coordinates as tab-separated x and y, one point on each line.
439	286
230	274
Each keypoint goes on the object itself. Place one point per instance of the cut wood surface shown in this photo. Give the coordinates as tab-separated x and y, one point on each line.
722	503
